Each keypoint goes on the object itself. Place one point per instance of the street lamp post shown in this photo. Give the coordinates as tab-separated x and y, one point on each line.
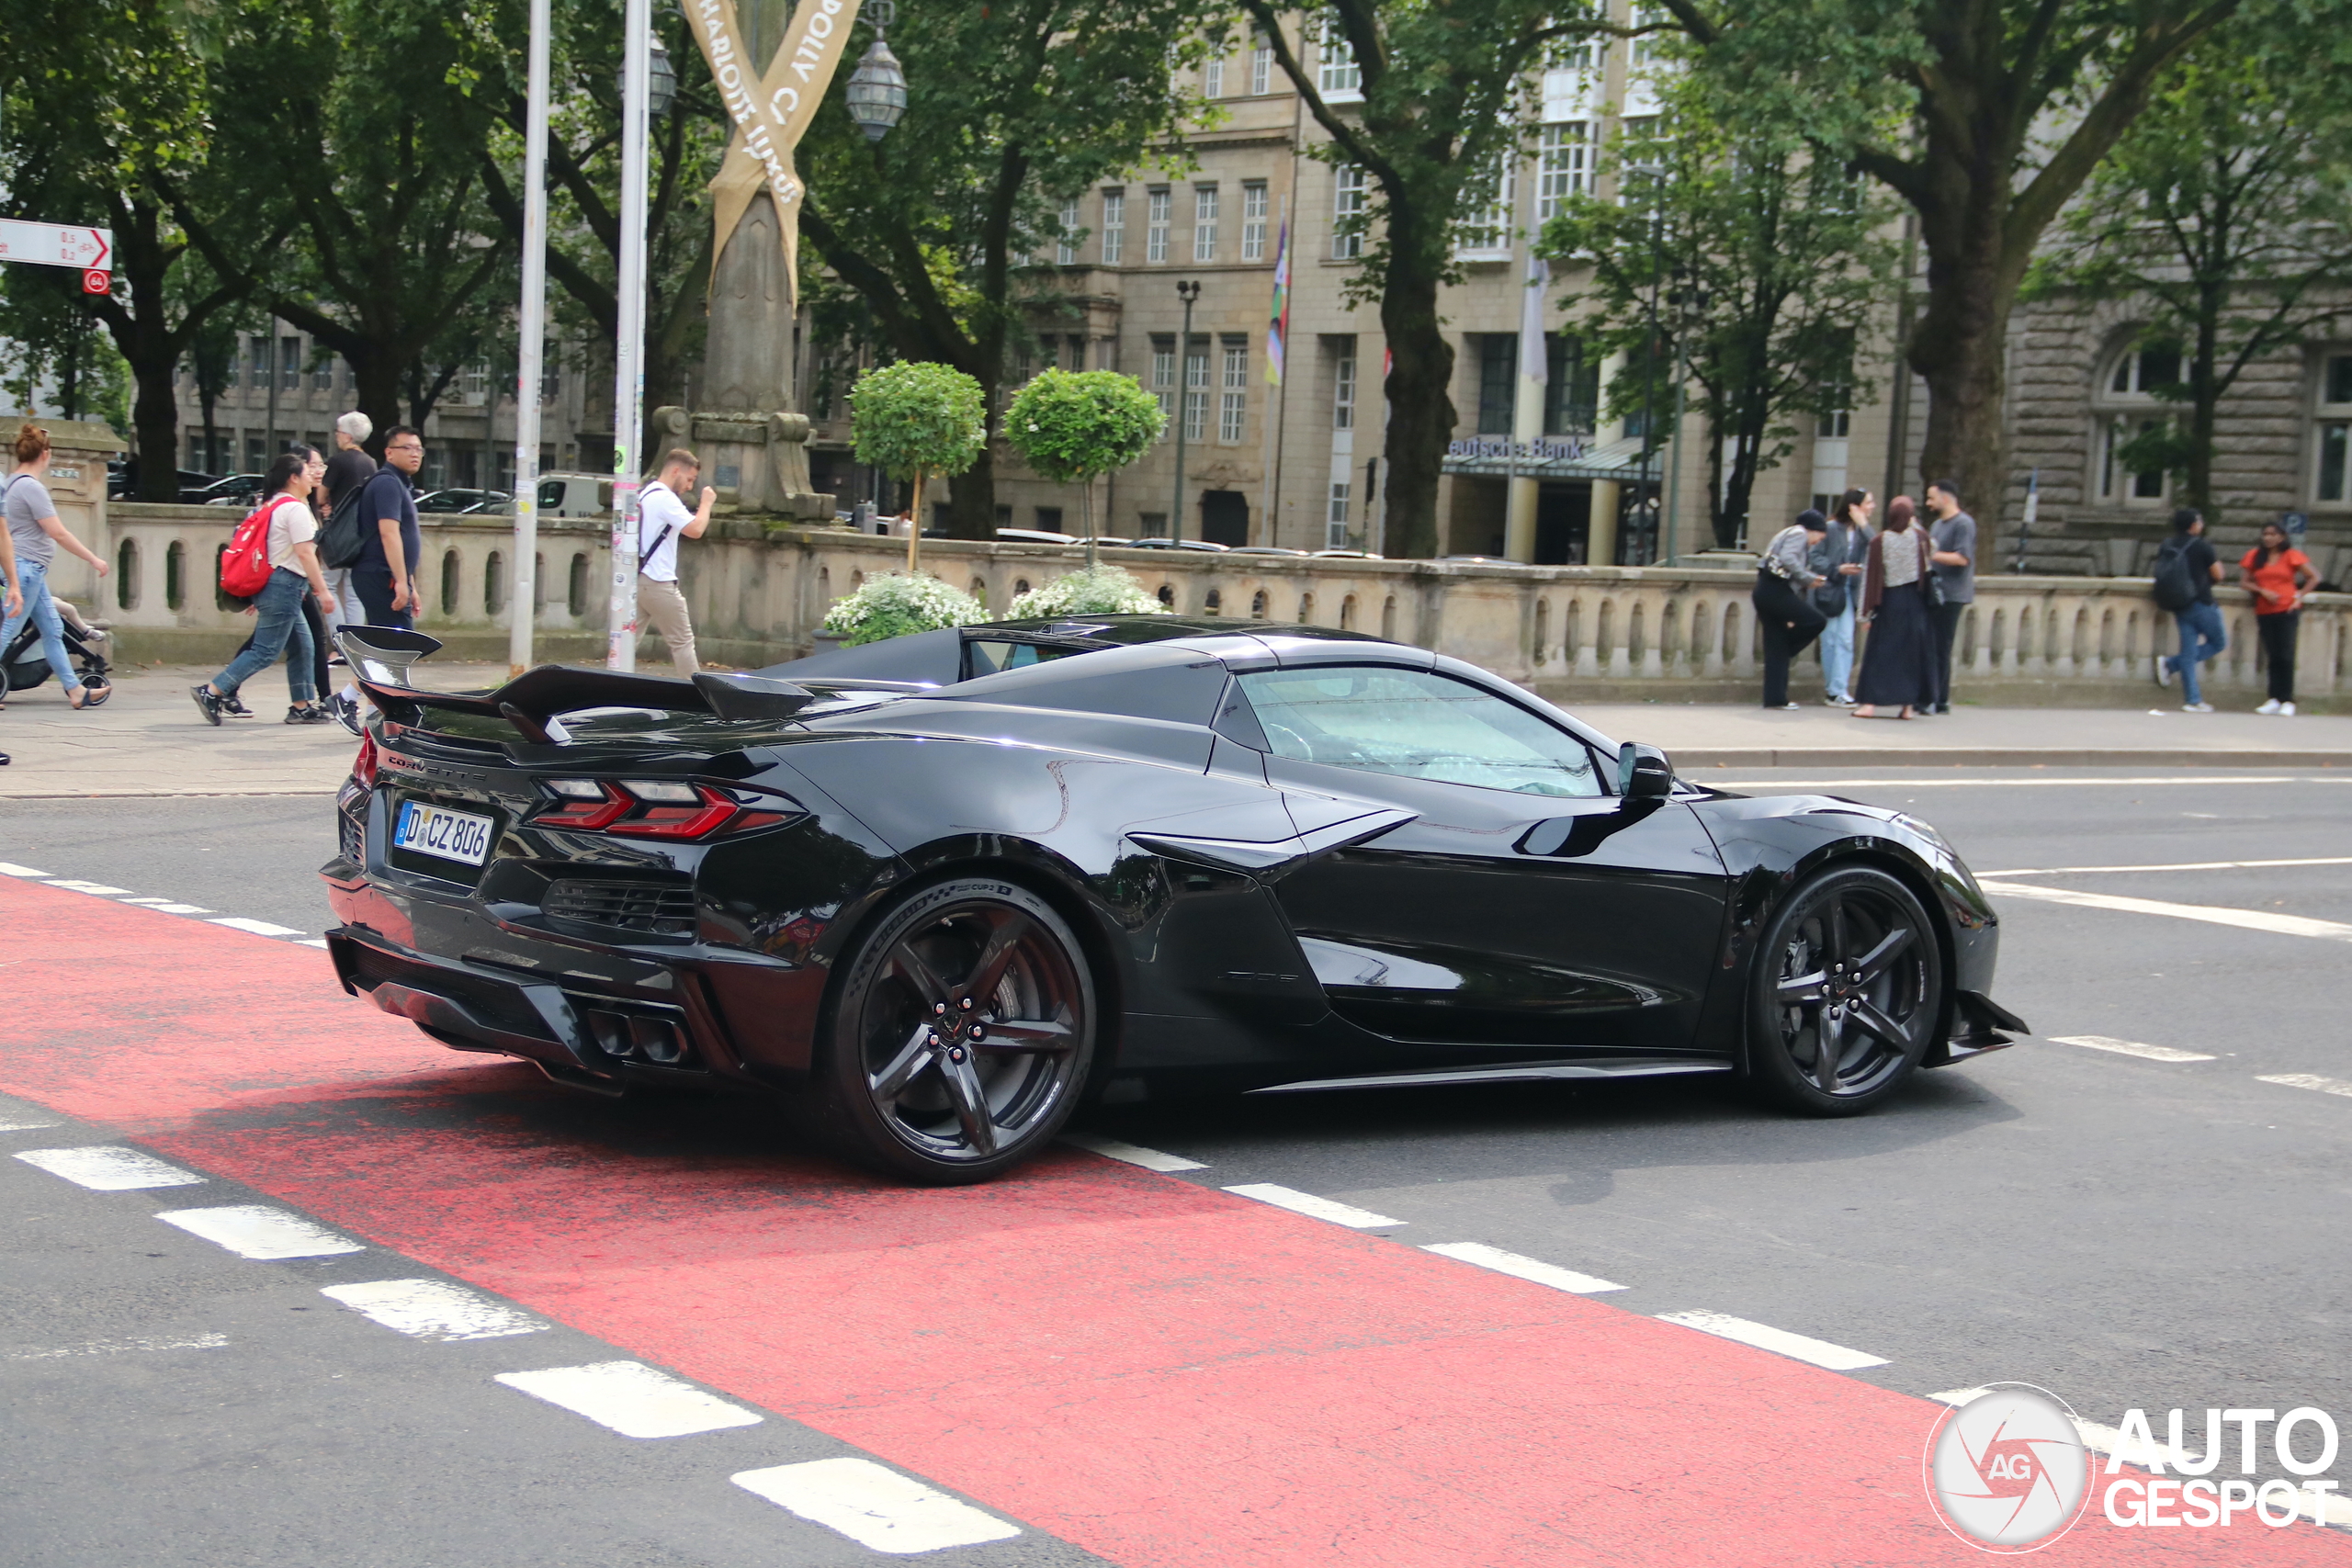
532	348
628	347
1188	291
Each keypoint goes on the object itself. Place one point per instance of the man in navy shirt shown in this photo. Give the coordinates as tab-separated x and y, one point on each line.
384	577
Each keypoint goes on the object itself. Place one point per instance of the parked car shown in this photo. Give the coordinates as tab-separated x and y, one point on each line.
461	501
1263	550
122	480
940	889
1037	537
575	495
1346	554
1173	544
237	489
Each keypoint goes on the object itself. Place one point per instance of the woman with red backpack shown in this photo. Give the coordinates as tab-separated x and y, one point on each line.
293	559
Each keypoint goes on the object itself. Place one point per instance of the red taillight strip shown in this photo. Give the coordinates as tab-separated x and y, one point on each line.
362	767
585	816
679	821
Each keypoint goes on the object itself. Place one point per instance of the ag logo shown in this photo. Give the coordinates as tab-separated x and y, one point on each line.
2007	1472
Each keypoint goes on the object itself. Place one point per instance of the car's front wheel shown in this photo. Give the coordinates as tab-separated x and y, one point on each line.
960	1032
1848	990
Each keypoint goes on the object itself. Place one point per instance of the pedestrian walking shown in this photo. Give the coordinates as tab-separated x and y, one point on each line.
2185	571
322	626
1952	538
1899	656
1784	609
1839	558
12	599
35	532
2278	575
348	468
661	521
383	577
282	627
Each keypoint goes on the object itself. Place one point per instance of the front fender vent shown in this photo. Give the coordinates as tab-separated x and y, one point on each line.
654	908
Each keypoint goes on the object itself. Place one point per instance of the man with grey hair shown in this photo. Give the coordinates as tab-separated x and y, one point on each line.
350	468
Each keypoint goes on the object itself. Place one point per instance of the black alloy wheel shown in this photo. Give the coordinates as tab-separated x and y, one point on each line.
962	1029
1848	990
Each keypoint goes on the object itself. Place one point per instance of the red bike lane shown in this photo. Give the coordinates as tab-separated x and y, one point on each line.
1163	1373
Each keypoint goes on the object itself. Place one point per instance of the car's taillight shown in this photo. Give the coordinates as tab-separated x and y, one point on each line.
582	805
362	767
656	808
668	809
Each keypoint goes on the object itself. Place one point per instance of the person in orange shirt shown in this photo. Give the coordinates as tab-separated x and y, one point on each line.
2278	575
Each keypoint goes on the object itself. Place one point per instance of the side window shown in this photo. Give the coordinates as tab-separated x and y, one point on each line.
1417	726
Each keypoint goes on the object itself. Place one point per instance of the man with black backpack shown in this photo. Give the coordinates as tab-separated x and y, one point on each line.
2185	573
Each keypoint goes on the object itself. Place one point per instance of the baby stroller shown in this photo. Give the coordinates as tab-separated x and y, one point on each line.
22	665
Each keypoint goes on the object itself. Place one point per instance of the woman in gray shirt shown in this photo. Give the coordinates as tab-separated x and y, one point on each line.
35	532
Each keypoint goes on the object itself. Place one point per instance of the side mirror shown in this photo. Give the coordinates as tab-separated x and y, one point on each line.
1643	773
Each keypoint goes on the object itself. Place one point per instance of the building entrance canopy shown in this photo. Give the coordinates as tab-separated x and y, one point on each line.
1553	458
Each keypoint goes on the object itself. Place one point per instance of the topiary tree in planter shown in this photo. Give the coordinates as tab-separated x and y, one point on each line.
914	419
1072	426
1095	590
900	603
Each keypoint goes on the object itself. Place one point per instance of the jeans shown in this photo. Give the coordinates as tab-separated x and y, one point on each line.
1837	650
373	584
282	629
33	581
1948	618
1790	623
2277	633
2199	625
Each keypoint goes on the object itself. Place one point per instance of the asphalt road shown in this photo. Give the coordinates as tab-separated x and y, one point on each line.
2127	1232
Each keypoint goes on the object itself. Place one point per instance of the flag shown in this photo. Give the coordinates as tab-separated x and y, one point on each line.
1534	364
1278	324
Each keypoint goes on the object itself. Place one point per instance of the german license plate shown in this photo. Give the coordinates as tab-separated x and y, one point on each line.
438	831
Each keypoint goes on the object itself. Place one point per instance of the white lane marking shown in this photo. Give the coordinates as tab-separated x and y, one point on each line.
2130	1048
1512	1263
1311	1206
2308	1080
9	869
311	942
257	1230
109	1168
24	1126
1133	1154
875	1507
117	1346
1820	1352
2247	919
1948	784
259	928
177	908
2179	866
434	1309
100	889
632	1399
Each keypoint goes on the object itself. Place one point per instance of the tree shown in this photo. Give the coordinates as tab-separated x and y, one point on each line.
1442	87
1074	427
1765	263
1986	117
1022	102
912	419
2228	210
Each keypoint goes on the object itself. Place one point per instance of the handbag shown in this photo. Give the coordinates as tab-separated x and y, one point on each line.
1932	587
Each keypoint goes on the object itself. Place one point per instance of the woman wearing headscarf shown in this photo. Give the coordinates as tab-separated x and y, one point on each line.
1899	656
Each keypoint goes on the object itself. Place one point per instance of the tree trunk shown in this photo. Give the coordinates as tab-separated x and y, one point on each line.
1959	350
1420	407
971	499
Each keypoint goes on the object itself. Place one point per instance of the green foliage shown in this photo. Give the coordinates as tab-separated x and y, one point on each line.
1092	590
1070	426
913	418
1765	266
900	603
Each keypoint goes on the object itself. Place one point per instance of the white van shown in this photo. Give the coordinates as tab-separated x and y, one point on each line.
575	495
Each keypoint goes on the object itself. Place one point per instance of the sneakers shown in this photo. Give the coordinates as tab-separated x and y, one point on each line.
2164	671
2196	707
346	709
207	702
2270	707
236	709
314	713
2286	710
1836	700
1783	708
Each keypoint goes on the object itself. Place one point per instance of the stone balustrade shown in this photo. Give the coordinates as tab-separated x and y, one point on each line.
1578	633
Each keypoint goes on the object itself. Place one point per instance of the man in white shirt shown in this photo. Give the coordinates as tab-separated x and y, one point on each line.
661	521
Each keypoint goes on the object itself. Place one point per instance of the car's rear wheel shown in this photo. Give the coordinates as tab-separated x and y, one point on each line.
1848	990
959	1035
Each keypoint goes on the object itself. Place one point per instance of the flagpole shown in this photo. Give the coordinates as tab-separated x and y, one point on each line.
628	347
532	346
1277	356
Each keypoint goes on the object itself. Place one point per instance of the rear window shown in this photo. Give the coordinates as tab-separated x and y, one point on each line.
993	656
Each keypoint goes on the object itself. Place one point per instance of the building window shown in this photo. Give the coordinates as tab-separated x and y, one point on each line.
1571	387
1343	387
1262	64
1114	225
1347	212
1563	167
1196	389
1486	234
1337	75
1213	78
1163	380
1154	526
1157	202
1640	144
2139	373
1205	223
1838	424
1066	249
1254	221
1498	354
2118	480
322	375
2334	434
1335	517
1233	402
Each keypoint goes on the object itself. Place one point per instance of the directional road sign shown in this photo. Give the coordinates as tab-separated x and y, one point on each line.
57	244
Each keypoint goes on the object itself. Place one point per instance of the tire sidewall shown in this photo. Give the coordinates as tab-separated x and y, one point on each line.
1771	1069
844	1103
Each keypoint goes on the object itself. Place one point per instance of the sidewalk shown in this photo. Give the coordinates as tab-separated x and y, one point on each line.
150	740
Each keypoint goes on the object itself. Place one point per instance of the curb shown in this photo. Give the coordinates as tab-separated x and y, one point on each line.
1993	757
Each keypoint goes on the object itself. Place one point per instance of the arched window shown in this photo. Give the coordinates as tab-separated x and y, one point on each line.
1258	605
450	583
493	583
1306	609
174	575
575	598
126	576
2131	414
1213	604
1348	614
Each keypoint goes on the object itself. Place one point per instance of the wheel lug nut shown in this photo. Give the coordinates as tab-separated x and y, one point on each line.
965	1004
979	1033
938	1008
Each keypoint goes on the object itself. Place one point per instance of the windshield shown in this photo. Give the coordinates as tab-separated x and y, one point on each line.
1418	726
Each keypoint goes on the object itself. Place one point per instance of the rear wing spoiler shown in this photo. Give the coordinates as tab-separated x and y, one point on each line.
380	659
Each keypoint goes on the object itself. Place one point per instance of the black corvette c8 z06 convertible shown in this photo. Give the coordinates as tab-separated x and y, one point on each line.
938	891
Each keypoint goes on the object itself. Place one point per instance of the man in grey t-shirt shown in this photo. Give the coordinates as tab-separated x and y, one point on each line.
1953	537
